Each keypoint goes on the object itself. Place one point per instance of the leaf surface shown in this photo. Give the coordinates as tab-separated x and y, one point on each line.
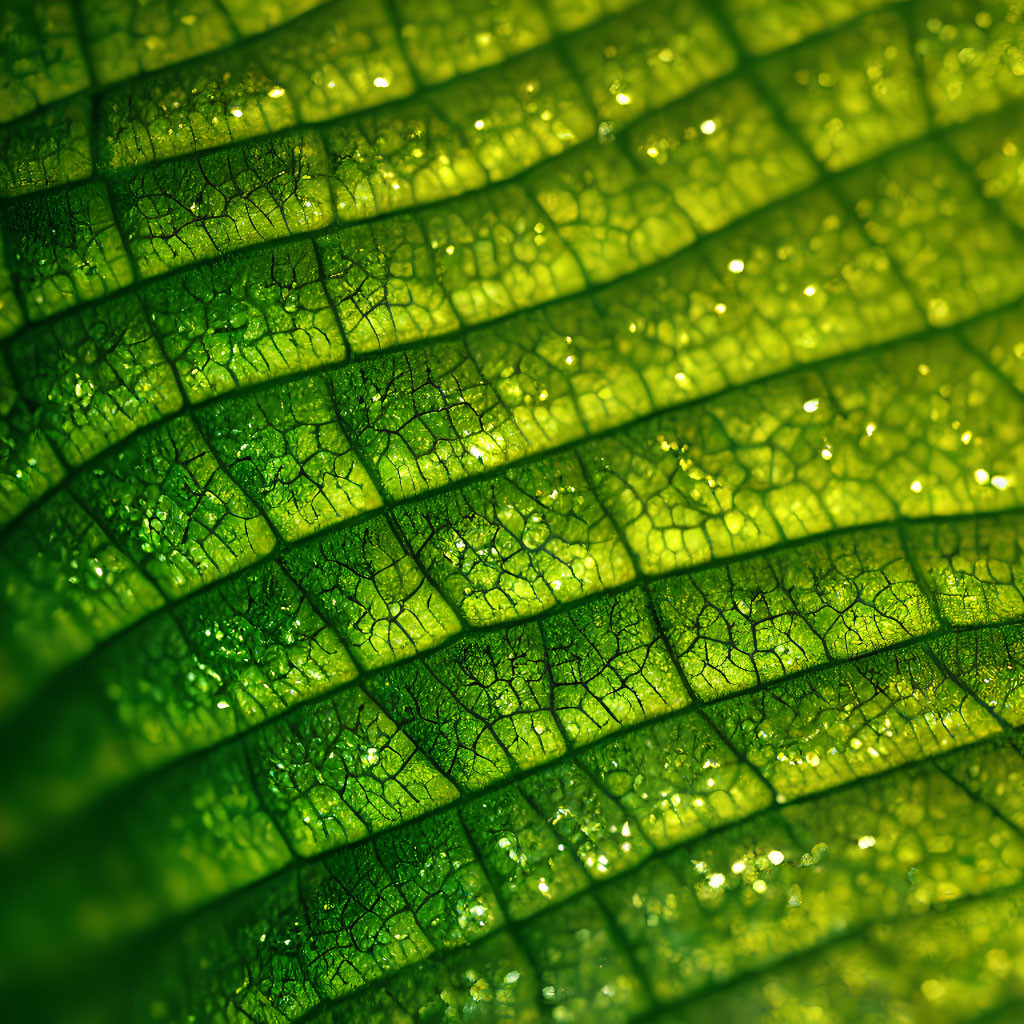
511	513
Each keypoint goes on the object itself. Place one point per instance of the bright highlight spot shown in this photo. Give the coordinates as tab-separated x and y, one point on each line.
276	93
720	307
981	476
916	486
869	429
866	842
811	405
826	454
776	857
381	82
736	266
717	880
1000	483
652	151
622	99
708	127
810	290
739	867
236	112
478	124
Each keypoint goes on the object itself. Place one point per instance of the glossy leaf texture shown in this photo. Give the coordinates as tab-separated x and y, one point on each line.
511	511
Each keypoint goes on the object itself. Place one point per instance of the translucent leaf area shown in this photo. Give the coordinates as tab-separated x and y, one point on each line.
510	511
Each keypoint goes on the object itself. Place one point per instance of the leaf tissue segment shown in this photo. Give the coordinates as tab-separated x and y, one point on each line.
510	513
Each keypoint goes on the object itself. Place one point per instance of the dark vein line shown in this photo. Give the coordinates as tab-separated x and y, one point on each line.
42	700
598	885
513	925
976	798
570	757
82	471
466	80
460	333
144	77
814	951
962	684
340	226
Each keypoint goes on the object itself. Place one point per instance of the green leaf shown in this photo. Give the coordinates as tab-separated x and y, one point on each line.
511	512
